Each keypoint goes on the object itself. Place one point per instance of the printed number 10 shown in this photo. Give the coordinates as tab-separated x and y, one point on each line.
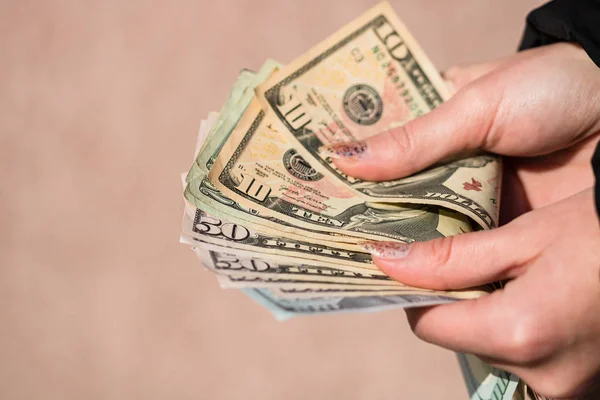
254	188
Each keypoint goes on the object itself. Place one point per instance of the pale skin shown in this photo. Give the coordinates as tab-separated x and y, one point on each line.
542	109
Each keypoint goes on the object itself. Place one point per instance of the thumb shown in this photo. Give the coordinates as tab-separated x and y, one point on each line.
460	124
454	262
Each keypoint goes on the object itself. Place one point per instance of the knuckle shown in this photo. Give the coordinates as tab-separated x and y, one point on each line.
440	252
473	93
528	341
402	139
476	97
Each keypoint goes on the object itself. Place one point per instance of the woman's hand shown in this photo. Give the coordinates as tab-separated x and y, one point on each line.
544	325
533	182
531	104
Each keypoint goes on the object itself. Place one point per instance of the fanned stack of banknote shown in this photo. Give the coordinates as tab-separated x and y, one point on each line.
269	213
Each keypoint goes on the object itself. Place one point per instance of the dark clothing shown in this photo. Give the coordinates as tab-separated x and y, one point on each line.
573	21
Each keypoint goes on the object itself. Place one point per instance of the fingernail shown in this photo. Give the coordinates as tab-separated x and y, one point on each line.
391	250
347	150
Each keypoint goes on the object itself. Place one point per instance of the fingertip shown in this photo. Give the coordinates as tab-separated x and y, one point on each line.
455	262
387	155
359	167
394	260
407	273
347	166
351	158
352	151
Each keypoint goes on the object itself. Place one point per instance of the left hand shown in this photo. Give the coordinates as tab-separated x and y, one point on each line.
533	182
544	325
539	107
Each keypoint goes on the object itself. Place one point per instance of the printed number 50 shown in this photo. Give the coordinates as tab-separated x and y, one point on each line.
213	227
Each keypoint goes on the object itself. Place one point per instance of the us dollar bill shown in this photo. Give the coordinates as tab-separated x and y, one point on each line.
202	229
202	193
203	131
226	116
252	281
238	99
371	77
358	291
485	382
284	309
250	267
208	231
259	168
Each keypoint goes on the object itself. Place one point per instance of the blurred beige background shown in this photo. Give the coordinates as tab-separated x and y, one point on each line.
99	108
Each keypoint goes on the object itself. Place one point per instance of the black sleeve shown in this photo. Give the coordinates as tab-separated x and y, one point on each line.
573	21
